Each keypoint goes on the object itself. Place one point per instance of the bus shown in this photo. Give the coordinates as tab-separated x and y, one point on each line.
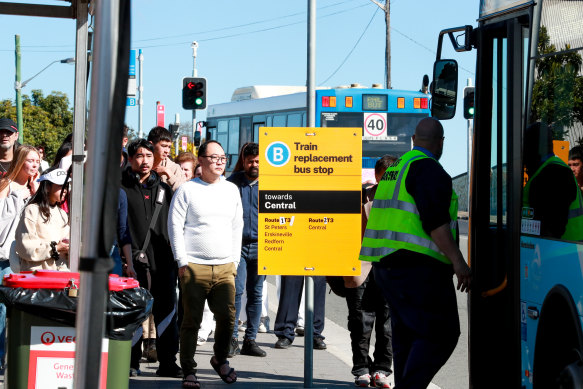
387	117
525	308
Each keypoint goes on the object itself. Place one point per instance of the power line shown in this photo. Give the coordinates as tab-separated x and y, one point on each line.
353	47
222	28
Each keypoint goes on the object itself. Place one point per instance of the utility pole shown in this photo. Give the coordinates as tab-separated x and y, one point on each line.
387	10
18	90
194	47
140	95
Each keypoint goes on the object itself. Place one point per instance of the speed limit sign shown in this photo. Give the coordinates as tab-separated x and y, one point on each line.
375	124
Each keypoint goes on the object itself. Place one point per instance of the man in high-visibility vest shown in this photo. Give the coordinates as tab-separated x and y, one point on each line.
552	204
411	240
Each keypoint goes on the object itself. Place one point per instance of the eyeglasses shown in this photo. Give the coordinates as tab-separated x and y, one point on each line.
216	158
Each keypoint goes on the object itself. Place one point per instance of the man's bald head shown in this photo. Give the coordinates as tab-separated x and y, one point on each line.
429	135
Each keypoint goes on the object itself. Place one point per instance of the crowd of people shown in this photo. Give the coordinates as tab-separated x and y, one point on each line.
182	224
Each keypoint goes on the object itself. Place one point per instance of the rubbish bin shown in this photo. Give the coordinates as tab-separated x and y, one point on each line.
41	335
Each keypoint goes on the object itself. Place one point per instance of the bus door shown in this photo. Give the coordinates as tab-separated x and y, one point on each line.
496	187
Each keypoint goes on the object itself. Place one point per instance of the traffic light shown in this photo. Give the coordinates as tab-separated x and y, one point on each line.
173	128
469	102
193	93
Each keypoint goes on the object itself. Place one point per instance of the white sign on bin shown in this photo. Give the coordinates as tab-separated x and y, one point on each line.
52	358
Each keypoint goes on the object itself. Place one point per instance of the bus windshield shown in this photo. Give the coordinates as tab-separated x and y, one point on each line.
396	141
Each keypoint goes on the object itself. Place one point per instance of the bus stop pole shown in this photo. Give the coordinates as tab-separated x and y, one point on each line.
90	321
311	121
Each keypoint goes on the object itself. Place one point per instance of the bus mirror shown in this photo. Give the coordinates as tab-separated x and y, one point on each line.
197	138
444	89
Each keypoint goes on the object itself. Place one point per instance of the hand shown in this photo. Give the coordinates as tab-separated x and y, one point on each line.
181	271
130	271
33	184
63	246
463	274
161	170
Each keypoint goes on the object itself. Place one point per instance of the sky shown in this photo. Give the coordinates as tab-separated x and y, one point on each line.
255	42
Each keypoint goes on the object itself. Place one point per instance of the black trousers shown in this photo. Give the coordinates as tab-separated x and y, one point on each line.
424	319
290	298
367	308
163	290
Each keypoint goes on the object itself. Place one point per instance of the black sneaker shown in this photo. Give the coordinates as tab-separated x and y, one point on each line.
283	343
233	348
172	370
251	348
319	344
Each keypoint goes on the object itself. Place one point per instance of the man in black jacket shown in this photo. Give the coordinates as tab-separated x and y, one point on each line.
145	191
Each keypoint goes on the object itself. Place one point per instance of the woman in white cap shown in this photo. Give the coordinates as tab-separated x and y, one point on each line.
16	188
42	235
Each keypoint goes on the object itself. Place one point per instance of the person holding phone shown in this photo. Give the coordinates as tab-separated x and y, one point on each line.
42	235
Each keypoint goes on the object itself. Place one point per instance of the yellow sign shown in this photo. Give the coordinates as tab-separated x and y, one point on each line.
310	201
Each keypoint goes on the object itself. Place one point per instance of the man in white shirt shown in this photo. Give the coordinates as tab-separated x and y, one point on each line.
205	225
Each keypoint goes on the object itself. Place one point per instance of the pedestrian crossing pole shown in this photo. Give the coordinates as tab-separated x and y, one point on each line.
309	281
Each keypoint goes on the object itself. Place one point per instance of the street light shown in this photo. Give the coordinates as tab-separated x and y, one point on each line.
18	87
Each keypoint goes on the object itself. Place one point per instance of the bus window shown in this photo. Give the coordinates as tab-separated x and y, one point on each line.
279	120
551	191
498	173
223	133
294	120
256	131
233	146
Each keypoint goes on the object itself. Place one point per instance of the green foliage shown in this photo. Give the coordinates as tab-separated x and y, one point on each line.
557	97
47	120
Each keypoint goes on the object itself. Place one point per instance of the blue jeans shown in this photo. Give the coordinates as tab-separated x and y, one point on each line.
116	256
4	269
247	278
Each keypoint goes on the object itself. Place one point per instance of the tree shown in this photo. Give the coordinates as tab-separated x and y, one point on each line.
46	120
557	97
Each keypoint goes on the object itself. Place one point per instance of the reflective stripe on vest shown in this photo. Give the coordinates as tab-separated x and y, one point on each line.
574	228
394	221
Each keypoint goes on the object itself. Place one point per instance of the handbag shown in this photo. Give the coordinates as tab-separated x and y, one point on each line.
139	257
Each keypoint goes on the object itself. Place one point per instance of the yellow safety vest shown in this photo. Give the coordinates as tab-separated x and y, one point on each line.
574	228
394	221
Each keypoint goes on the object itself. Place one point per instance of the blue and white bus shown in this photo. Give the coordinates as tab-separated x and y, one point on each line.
526	302
387	117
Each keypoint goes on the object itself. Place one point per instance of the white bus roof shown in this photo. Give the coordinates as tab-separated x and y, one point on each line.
490	8
263	91
269	104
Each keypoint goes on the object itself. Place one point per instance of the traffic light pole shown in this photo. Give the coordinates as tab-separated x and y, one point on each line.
194	47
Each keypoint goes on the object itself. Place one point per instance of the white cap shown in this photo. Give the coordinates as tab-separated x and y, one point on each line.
56	176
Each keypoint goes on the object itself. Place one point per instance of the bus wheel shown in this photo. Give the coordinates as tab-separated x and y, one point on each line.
572	376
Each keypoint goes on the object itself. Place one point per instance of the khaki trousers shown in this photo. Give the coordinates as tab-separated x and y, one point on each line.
215	284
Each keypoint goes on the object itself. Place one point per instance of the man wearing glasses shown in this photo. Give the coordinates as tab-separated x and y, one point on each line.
205	225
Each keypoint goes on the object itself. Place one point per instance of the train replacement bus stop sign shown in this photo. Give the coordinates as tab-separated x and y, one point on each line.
310	201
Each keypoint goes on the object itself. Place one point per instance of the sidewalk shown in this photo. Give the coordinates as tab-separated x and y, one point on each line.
279	369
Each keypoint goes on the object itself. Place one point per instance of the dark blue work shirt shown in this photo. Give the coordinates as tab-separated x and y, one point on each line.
250	199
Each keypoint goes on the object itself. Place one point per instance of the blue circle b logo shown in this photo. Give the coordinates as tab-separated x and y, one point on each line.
277	154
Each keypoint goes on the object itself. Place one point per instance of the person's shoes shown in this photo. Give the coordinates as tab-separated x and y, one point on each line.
152	355
135	372
380	380
242	326
172	370
319	344
283	343
300	330
251	348
263	325
363	381
233	348
200	341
